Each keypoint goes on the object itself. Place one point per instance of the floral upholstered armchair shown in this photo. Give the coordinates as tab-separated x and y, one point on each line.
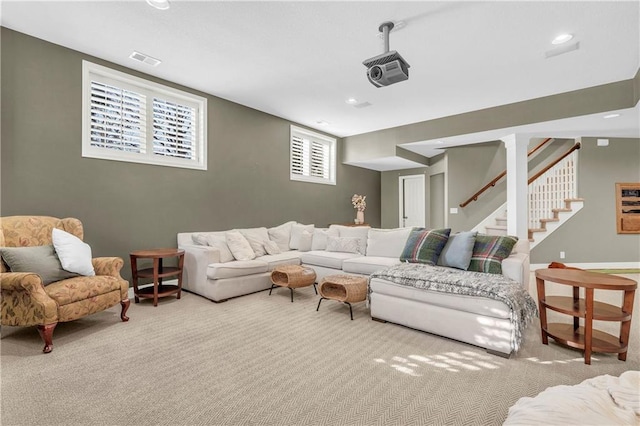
26	301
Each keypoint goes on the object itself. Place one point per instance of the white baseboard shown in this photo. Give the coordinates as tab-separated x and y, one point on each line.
603	265
170	282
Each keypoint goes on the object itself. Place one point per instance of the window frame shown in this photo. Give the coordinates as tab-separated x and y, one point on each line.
316	137
104	75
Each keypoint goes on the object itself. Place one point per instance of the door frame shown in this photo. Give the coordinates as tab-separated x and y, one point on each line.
401	197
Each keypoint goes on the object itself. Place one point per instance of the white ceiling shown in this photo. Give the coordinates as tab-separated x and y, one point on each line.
301	60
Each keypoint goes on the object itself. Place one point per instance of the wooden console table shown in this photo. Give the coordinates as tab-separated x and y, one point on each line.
157	273
585	337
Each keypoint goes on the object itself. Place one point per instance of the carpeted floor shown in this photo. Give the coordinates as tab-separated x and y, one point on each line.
263	360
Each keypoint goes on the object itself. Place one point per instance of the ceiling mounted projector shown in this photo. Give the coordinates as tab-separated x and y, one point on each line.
389	67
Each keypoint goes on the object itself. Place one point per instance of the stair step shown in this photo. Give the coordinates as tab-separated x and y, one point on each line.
568	201
531	230
496	230
549	220
561	210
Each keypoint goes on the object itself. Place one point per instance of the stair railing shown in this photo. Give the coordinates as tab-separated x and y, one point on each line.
495	180
551	186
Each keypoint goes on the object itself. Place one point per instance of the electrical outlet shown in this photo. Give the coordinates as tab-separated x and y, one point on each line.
561	255
453	210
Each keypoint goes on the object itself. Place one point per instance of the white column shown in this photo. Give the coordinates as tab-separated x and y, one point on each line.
517	187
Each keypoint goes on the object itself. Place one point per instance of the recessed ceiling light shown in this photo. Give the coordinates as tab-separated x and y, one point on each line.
159	4
352	101
611	115
322	123
562	38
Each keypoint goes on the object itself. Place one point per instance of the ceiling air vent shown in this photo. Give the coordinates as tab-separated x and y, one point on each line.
145	59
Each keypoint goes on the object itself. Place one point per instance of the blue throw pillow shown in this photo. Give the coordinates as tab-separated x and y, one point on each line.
425	245
458	250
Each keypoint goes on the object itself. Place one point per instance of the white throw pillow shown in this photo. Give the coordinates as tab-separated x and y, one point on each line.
219	242
387	242
343	244
239	246
256	238
75	255
271	247
296	233
281	235
360	232
306	239
199	239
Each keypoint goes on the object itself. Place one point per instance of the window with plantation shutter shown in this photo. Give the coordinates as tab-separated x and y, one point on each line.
313	157
126	118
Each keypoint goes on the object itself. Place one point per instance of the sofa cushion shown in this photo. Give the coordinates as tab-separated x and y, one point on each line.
291	257
41	260
458	250
328	259
296	234
367	265
256	238
306	241
239	268
239	246
489	251
320	236
219	242
424	245
271	247
281	235
387	242
360	232
80	288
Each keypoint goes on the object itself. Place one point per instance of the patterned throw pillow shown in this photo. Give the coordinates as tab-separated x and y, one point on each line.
425	245
343	244
489	251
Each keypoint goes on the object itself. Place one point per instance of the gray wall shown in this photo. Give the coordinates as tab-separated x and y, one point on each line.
128	206
469	168
591	236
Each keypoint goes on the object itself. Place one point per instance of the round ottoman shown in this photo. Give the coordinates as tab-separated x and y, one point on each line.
292	276
347	289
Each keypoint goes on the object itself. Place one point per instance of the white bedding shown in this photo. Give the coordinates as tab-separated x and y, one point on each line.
602	400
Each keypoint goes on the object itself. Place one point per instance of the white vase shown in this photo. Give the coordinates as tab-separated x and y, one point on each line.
359	217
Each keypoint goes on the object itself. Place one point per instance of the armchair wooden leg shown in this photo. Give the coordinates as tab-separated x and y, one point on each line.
125	305
46	332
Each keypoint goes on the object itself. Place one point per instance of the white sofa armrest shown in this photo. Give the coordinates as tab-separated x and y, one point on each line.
516	267
196	261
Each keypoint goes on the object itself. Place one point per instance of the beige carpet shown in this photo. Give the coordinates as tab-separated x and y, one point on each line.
263	360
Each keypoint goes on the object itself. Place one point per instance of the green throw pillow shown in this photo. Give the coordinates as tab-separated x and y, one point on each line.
489	251
425	245
41	260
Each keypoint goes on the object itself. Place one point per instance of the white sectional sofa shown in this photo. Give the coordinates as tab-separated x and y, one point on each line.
211	271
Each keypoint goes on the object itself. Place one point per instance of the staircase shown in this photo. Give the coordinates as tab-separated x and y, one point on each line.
546	226
552	200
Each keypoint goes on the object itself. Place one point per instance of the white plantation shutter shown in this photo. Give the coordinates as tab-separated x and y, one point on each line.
118	118
126	118
312	157
174	129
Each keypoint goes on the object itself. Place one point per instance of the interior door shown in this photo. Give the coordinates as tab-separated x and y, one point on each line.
412	207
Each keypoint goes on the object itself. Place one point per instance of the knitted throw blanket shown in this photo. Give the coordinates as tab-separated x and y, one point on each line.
454	281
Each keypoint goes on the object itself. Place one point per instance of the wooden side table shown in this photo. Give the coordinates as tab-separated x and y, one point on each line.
157	273
585	337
